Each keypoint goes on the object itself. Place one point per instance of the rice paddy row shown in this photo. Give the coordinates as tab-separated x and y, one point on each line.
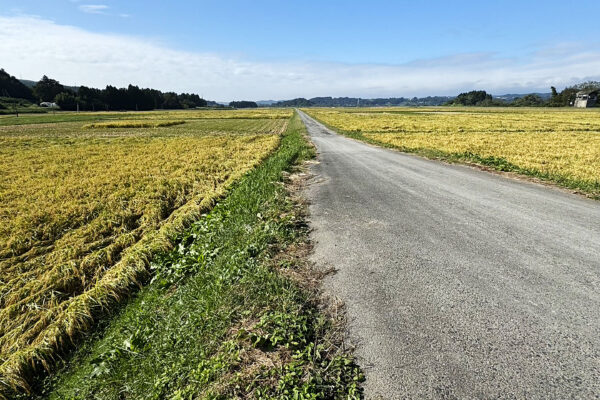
82	212
133	124
186	115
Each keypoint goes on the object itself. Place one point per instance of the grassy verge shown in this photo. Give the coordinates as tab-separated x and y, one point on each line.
23	110
222	317
588	188
10	105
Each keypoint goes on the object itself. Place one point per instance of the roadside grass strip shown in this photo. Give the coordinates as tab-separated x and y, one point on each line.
223	316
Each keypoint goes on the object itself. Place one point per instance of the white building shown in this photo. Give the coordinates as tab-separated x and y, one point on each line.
586	99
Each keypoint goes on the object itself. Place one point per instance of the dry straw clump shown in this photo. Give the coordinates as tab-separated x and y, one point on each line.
134	124
81	216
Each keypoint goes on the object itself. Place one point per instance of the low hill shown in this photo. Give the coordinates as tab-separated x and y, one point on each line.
513	96
31	84
13	88
265	103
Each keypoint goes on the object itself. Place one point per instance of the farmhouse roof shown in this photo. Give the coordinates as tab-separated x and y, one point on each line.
588	91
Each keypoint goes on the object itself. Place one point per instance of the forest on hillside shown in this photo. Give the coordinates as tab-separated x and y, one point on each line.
84	98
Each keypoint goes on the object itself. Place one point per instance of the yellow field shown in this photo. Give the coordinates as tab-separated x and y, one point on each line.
134	124
558	144
82	211
257	113
147	117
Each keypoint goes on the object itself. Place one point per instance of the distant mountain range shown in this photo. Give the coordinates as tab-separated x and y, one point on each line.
27	82
31	84
360	102
511	97
266	103
381	102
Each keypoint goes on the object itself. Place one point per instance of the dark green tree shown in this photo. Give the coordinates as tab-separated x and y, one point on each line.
473	98
302	102
171	101
66	101
243	104
564	98
530	100
91	99
138	99
188	100
47	89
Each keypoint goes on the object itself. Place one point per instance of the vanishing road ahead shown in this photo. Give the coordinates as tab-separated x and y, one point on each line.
458	283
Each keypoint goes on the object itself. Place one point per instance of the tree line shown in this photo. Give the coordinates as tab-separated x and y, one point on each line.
134	98
90	99
564	98
243	104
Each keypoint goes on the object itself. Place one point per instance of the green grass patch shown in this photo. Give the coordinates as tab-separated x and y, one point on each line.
23	110
9	105
220	318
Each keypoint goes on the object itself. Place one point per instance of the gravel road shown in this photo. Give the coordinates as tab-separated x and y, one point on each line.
458	283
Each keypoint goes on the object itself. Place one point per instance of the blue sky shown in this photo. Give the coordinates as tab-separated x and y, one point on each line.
278	49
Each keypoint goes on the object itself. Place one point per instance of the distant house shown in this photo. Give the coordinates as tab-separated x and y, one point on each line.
586	98
48	104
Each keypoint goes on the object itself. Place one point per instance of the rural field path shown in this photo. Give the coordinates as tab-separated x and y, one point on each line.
458	283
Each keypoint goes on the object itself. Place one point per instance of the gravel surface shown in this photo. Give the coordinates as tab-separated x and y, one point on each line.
458	283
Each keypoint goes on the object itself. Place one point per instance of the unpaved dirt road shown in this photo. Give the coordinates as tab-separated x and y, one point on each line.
458	283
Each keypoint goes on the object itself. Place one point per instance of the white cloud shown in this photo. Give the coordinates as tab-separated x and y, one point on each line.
79	57
93	8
